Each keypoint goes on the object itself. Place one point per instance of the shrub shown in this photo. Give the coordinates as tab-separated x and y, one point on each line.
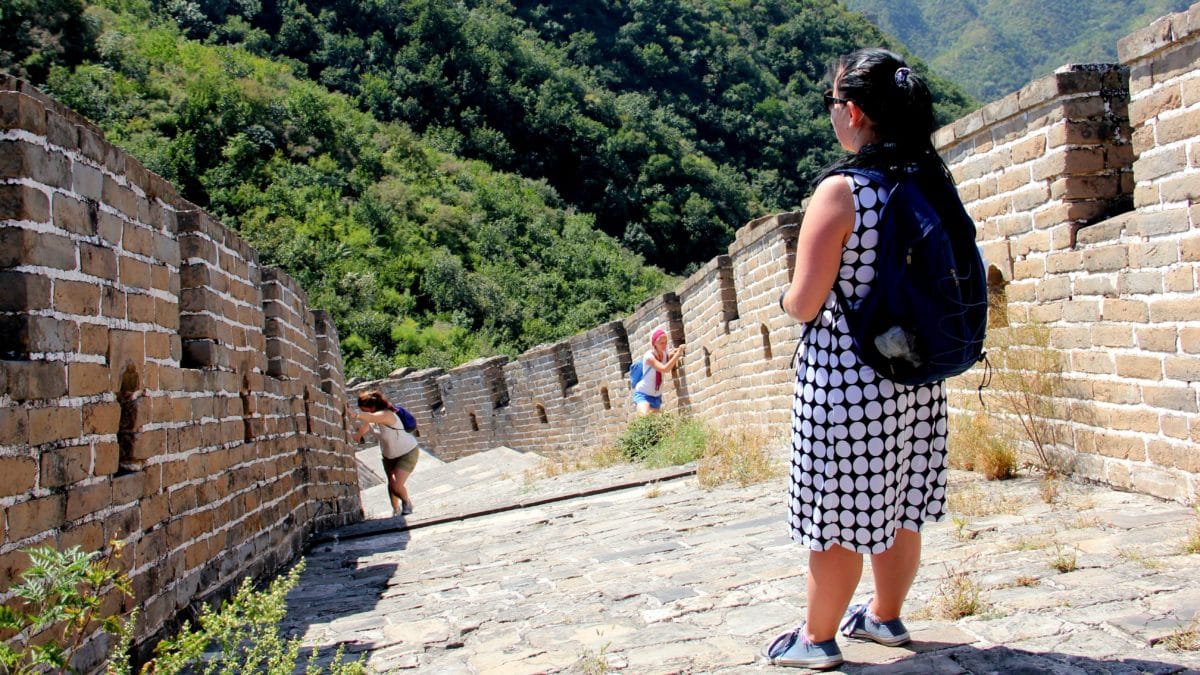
245	633
979	445
643	435
738	456
58	604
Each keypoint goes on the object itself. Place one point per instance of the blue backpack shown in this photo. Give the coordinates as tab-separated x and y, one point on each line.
925	316
406	419
635	373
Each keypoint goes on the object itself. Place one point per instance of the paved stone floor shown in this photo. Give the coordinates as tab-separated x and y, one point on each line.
667	577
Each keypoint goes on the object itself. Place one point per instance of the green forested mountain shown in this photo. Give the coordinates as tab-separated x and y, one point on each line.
458	178
993	47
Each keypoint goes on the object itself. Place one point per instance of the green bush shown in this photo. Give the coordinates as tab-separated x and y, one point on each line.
59	602
663	440
244	634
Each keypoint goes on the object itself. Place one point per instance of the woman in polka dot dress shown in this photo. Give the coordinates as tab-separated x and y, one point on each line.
868	455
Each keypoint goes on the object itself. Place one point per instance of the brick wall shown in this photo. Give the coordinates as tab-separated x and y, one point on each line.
158	386
1083	185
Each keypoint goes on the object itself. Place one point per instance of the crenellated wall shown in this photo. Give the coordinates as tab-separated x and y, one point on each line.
1084	186
158	386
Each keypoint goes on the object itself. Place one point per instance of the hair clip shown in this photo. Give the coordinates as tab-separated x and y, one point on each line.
902	74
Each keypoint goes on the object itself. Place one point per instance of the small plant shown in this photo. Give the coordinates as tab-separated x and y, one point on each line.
960	528
738	457
1029	544
60	602
1029	383
1192	543
597	457
1062	561
958	595
244	633
643	435
1026	581
1186	639
593	663
1133	555
1048	489
653	490
979	445
971	501
684	441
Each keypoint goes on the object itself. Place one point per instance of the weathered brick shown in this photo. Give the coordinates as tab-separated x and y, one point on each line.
35	516
20	475
1159	162
63	466
73	215
1181	398
47	425
22	292
84	500
29	335
1167	310
21	202
29	380
1139	366
76	297
19	246
1186	368
87	536
18	111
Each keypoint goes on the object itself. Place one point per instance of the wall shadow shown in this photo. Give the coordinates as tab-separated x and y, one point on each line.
933	658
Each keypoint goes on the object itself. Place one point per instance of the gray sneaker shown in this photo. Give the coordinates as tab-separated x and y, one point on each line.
794	650
860	624
406	508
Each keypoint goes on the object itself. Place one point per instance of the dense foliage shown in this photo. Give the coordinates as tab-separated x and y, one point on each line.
994	47
673	121
449	198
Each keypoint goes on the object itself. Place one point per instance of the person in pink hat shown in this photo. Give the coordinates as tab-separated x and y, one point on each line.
647	394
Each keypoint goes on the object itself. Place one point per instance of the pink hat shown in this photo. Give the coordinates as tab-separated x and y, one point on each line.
657	332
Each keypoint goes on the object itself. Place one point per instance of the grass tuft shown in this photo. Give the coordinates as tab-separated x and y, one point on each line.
981	446
1192	544
958	596
1064	561
740	457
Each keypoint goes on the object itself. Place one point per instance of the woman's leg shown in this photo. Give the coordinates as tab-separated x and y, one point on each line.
389	467
894	571
832	577
643	408
396	481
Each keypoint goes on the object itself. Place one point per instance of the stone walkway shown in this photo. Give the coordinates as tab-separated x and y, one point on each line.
566	575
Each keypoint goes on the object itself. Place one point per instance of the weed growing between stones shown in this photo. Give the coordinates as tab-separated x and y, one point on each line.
960	529
740	457
1048	489
1026	581
1186	639
1028	388
977	444
653	490
1192	544
1064	561
1133	555
593	663
970	500
958	595
593	458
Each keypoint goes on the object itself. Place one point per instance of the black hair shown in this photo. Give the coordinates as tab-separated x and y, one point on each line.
899	104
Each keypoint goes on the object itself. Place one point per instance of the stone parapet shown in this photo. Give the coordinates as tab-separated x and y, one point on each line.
140	397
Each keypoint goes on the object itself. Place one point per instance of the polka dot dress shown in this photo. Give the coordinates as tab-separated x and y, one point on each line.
868	455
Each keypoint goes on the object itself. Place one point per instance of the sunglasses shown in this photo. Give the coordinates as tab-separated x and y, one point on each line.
831	100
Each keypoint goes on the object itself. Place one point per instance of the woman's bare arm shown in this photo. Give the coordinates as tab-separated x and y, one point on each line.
827	225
